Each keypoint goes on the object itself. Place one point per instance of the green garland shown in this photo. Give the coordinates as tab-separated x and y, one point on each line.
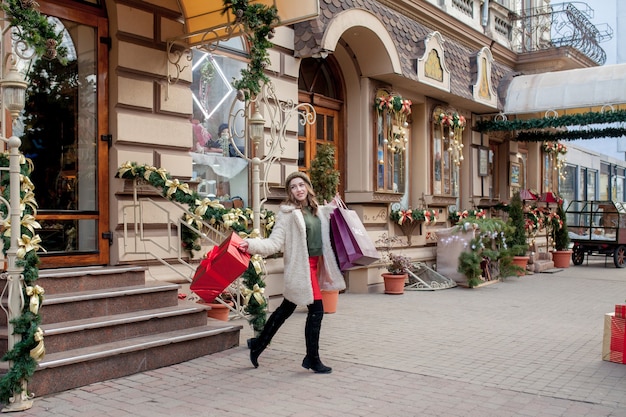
27	324
540	136
530	129
582	119
212	212
34	29
258	21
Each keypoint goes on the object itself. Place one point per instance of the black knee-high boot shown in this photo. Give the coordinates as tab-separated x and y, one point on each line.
312	337
277	318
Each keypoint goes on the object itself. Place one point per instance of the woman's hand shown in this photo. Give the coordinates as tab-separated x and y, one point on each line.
335	202
243	246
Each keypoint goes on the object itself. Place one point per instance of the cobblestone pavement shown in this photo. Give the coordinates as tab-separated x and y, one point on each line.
528	346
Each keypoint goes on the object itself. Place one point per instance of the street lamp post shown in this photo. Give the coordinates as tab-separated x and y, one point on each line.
270	132
13	88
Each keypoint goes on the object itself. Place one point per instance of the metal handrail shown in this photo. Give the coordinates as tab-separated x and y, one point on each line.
134	235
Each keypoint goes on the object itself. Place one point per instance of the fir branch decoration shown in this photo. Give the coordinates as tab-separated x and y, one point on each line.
258	21
27	324
489	243
583	119
324	176
585	134
34	29
254	308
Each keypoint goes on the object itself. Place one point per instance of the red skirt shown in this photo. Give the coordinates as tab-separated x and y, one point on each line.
313	261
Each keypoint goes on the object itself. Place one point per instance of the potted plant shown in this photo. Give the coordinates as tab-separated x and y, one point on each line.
560	238
324	175
516	239
396	265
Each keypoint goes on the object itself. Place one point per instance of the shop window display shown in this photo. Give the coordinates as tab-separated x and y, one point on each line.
217	166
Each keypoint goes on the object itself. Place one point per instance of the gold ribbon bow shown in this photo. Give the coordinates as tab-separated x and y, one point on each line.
253	233
257	263
29	200
28	221
256	291
232	217
27	244
193	218
35	293
25	184
228	219
174	185
126	166
203	205
150	169
39	351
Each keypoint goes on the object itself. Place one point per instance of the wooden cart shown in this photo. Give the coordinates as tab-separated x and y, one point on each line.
597	228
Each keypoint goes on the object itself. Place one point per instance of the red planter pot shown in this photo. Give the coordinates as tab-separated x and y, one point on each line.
522	262
218	310
329	300
561	258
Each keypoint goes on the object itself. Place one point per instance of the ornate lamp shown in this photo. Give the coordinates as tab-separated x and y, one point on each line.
256	125
14	88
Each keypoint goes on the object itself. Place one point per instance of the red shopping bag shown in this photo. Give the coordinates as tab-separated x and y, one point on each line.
353	246
222	265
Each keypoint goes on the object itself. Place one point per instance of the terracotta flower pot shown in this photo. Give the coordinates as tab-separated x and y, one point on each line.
329	300
218	311
394	284
561	258
522	262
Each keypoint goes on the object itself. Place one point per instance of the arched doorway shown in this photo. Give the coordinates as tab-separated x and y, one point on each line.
65	132
320	85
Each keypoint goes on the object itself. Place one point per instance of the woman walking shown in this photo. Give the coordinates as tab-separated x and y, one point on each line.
302	232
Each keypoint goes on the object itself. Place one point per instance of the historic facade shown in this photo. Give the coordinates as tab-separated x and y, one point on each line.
396	86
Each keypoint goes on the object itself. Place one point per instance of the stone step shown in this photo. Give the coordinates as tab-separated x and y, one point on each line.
76	334
542	265
78	367
58	308
67	280
106	322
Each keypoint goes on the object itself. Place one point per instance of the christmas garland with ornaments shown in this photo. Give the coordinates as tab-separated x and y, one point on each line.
532	130
429	217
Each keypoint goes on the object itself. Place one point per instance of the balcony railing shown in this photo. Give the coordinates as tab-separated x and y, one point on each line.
557	25
534	29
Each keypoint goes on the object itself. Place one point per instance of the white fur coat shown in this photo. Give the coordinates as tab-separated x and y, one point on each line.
289	235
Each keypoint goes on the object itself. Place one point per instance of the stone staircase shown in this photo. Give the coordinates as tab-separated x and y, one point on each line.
107	322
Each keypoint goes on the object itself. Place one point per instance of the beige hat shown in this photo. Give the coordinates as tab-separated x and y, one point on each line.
298	174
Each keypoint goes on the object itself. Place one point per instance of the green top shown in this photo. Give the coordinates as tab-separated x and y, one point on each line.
313	232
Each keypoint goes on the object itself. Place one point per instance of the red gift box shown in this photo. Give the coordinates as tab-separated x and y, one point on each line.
620	310
222	266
